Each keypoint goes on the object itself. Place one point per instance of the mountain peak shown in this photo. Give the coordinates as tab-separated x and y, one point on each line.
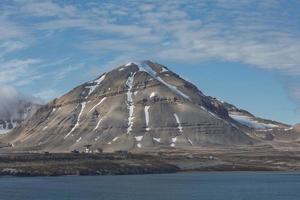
137	106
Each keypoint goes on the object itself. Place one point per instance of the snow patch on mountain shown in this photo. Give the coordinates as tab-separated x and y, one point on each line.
138	138
174	139
164	70
289	129
251	122
152	95
156	139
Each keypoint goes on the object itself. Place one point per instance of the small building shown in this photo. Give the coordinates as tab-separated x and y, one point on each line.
88	148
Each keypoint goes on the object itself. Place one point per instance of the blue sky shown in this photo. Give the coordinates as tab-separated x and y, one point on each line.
246	52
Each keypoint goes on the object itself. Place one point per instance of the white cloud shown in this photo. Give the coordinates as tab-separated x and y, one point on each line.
46	8
9	30
15	71
110	45
11	46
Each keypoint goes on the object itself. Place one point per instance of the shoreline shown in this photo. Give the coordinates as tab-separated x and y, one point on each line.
296	172
126	163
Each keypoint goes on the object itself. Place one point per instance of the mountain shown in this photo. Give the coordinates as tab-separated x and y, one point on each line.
137	106
14	108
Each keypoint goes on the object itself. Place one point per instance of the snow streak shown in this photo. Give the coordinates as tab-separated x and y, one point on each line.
78	119
100	120
97	83
78	140
97	104
97	126
178	122
146	110
130	105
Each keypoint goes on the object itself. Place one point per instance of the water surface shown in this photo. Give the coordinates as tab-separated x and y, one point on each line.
198	186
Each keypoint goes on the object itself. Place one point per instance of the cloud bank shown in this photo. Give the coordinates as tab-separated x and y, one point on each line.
261	33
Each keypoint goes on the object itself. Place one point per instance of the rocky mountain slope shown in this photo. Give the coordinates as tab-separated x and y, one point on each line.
140	105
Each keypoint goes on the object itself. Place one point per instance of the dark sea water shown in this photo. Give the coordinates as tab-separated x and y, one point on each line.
198	186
